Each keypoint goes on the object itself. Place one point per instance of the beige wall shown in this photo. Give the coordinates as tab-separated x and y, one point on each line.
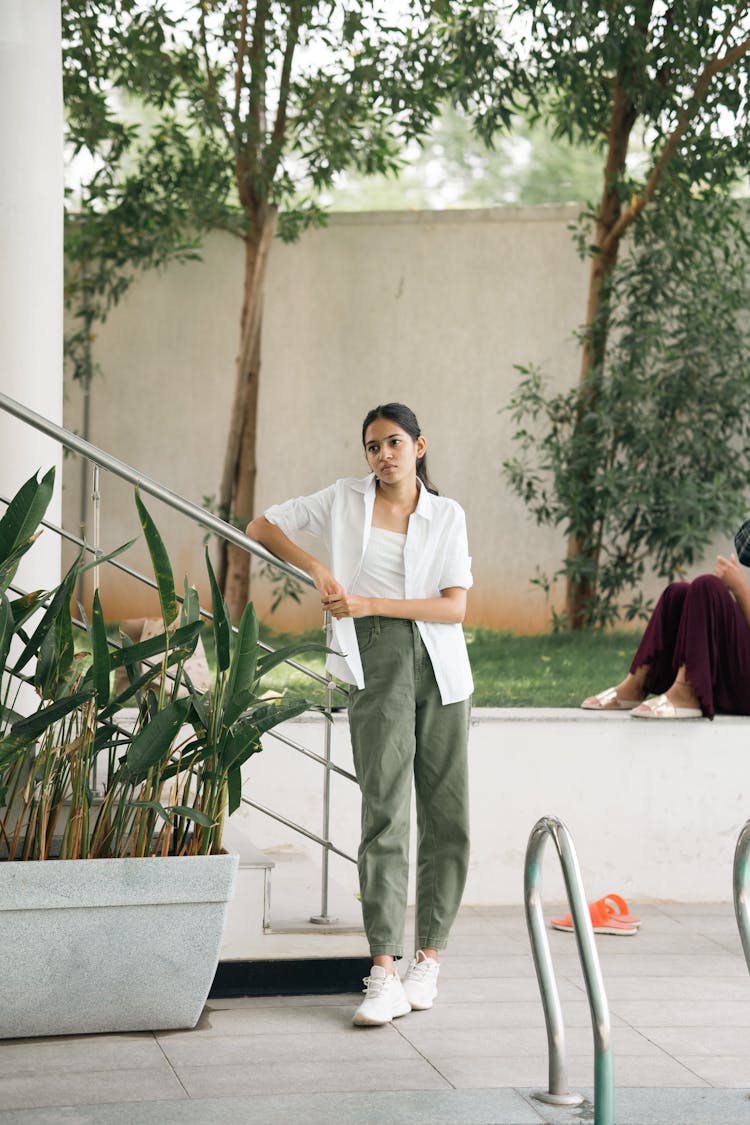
431	308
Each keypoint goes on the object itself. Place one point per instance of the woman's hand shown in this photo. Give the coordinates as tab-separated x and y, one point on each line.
730	573
342	604
325	583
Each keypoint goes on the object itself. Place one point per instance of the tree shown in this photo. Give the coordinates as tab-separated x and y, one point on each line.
670	440
280	95
671	75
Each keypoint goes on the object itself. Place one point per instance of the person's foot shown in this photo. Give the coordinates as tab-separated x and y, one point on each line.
420	982
665	707
682	695
624	697
384	1000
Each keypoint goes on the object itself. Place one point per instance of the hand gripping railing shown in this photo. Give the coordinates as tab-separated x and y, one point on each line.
604	1085
740	880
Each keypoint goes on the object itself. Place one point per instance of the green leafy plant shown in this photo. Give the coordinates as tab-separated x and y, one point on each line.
150	769
662	464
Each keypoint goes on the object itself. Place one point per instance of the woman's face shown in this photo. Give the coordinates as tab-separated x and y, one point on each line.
391	453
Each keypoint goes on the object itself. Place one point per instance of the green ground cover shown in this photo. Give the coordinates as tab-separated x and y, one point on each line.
550	670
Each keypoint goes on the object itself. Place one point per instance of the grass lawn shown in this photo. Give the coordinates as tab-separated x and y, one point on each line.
550	670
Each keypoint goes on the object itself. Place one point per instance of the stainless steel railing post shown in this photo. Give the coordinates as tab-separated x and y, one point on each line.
740	881
324	918
558	1093
96	506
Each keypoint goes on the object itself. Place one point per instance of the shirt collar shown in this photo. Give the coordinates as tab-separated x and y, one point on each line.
425	504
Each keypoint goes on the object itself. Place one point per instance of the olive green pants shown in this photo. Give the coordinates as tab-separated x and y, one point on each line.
400	729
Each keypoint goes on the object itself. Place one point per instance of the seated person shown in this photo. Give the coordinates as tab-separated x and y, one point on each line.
694	655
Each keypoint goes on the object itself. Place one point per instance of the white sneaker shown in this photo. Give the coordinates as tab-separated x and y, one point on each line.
420	982
384	1000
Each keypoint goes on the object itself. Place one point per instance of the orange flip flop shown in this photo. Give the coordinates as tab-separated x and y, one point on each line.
618	907
603	921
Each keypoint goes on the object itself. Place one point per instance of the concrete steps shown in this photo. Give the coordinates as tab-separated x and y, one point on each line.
277	895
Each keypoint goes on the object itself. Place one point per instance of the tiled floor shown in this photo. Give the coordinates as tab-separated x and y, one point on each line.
679	996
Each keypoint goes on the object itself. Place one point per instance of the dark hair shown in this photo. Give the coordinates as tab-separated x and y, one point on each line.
407	420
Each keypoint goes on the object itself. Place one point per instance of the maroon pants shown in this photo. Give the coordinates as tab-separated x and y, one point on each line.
700	625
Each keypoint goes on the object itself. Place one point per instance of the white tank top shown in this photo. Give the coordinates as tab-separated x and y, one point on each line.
382	573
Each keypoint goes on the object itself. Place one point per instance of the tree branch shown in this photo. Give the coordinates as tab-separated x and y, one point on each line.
253	139
213	96
241	45
718	64
279	127
733	23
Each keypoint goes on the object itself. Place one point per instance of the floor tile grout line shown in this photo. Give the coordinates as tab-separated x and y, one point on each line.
171	1066
422	1055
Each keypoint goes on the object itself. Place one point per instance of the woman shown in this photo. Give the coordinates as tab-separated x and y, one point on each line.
694	655
396	591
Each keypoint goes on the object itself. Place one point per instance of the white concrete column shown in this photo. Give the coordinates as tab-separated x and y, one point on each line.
31	253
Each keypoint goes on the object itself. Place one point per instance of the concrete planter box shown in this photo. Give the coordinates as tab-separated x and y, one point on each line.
110	944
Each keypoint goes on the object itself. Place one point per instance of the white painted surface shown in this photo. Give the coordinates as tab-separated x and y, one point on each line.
31	253
654	808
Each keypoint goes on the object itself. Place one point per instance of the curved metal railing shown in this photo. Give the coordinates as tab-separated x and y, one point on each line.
740	881
604	1084
99	458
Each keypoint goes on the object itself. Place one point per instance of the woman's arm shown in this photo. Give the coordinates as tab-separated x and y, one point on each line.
273	538
730	573
447	609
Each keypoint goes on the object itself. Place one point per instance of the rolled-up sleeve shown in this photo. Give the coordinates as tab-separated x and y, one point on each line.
456	568
304	513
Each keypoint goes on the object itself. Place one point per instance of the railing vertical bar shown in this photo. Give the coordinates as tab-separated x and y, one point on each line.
96	498
324	918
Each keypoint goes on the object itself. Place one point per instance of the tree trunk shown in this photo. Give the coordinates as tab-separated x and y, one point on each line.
583	542
237	578
237	492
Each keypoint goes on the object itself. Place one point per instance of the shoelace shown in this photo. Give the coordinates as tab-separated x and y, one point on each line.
420	969
374	985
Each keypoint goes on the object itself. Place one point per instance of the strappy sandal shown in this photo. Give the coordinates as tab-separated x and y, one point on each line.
608	700
663	708
603	921
619	909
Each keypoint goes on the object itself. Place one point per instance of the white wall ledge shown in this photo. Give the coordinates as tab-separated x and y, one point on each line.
654	807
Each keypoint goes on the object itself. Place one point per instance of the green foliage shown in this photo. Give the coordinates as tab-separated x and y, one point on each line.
143	183
662	462
565	60
78	779
250	106
675	76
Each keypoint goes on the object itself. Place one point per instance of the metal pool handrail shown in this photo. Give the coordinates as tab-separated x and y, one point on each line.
740	881
604	1084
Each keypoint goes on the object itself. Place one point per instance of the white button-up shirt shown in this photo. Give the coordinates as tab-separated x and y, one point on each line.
436	556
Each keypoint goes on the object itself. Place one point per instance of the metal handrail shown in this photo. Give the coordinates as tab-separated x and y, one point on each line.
740	885
604	1083
205	613
100	458
146	484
